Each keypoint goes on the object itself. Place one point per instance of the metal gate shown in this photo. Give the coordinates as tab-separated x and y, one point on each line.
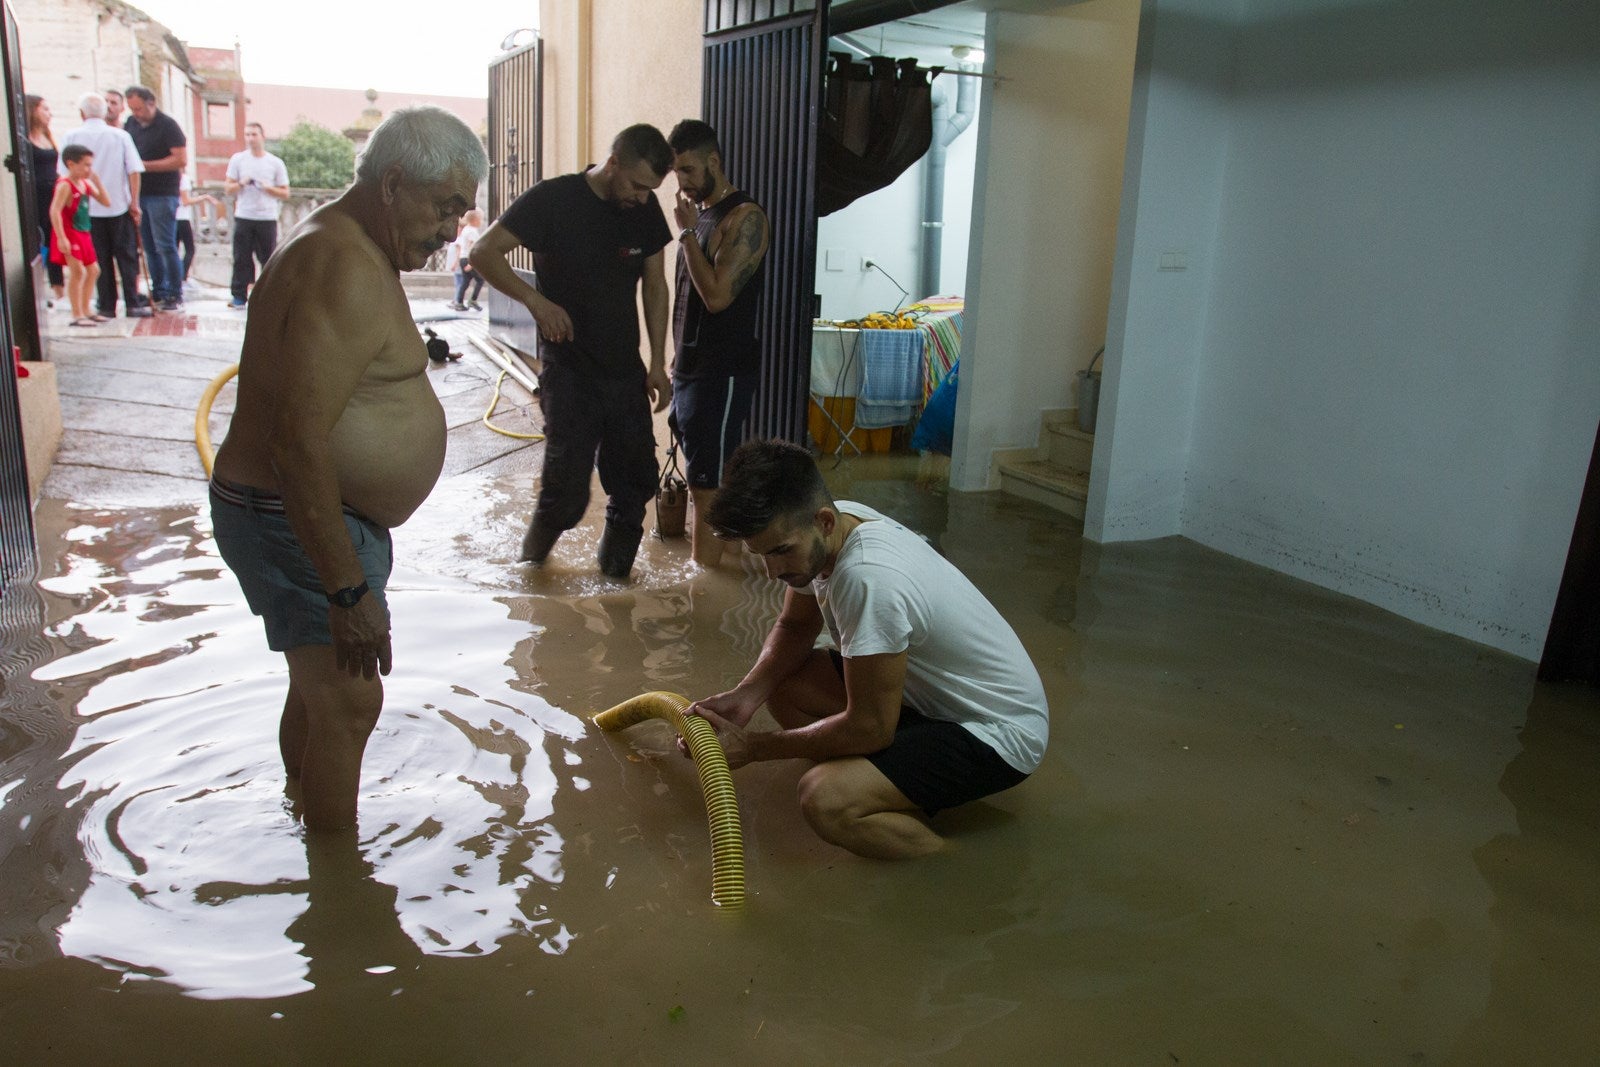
516	131
762	89
18	552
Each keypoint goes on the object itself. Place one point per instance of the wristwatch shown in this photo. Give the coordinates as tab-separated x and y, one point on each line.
348	597
687	231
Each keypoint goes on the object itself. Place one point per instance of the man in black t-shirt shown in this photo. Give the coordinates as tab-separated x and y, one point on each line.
164	149
595	236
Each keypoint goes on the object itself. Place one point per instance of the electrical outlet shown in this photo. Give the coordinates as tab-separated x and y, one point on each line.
867	264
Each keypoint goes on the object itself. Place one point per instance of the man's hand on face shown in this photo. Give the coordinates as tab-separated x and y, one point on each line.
361	638
685	211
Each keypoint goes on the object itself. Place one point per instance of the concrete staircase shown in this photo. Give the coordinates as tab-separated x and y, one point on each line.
1056	472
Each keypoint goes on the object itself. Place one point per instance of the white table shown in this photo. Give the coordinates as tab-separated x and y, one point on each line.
835	370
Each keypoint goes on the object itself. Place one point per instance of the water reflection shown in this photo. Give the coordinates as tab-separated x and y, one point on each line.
1231	852
198	875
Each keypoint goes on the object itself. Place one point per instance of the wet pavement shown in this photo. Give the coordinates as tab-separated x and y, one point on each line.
1274	824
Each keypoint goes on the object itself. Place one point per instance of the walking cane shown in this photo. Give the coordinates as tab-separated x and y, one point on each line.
144	270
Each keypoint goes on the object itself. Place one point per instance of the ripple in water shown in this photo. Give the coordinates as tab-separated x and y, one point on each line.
196	874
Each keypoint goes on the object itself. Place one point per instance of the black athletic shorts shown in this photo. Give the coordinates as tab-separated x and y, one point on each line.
938	764
709	415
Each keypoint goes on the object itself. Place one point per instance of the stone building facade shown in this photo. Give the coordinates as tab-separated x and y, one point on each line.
70	47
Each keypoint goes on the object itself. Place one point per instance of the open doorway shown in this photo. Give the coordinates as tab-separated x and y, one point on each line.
899	251
1033	191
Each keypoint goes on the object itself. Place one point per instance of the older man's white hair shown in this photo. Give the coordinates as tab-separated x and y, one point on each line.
92	106
427	142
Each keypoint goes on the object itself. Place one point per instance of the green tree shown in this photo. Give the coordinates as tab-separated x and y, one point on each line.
317	158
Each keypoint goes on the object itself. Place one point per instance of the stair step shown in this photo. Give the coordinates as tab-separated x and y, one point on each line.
1050	475
1064	423
1047	483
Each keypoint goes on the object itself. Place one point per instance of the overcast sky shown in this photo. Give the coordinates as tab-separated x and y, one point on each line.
411	46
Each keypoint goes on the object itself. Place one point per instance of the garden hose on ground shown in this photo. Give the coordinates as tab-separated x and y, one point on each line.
202	418
716	784
494	402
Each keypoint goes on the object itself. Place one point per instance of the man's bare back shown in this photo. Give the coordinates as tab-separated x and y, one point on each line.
331	287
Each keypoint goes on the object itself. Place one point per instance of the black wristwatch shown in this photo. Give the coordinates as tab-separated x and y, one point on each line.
349	597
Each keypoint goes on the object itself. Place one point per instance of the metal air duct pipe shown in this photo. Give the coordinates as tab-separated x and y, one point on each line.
946	128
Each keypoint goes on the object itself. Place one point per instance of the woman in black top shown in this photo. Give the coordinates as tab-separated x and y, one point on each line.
43	145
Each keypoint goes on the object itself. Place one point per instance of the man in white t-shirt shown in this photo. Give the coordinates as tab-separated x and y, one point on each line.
930	700
259	183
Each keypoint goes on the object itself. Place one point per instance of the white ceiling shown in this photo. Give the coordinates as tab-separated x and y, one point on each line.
926	37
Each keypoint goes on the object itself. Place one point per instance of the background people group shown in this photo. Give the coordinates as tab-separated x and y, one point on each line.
140	165
113	225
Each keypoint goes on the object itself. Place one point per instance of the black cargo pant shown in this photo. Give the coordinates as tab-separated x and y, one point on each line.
253	242
117	250
588	423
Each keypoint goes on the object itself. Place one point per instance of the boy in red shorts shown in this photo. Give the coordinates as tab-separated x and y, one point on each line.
70	245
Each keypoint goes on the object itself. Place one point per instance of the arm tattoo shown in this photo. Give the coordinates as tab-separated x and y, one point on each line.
747	250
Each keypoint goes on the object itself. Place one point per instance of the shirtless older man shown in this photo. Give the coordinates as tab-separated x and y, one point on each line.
337	437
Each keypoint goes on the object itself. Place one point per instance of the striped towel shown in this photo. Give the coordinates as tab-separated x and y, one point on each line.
940	324
891	377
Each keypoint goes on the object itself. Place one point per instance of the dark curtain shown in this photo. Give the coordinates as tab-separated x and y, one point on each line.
1572	649
877	120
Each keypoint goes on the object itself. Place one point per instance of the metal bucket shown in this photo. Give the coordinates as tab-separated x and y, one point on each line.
1088	399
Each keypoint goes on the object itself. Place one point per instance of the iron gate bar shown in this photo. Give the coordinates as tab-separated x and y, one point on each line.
761	86
18	549
516	131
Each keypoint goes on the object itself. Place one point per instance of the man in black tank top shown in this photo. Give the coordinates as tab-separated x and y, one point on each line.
722	247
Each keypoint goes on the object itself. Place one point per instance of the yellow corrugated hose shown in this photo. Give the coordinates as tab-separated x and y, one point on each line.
716	784
202	418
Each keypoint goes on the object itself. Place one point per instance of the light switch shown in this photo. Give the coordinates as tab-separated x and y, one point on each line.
838	259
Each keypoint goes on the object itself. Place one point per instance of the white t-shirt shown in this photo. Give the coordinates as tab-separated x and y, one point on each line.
115	157
891	592
464	241
185	211
252	202
457	251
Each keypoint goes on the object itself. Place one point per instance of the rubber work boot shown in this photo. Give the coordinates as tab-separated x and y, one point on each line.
537	542
618	546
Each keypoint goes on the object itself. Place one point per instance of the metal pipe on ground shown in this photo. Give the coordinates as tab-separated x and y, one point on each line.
505	363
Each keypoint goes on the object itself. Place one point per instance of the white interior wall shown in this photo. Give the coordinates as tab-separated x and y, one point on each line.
1177	143
885	227
1402	381
1050	156
1396	388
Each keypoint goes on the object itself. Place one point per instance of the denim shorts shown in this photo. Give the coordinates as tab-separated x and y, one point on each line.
709	414
279	581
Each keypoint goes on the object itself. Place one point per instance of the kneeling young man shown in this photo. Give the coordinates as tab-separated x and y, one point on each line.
929	702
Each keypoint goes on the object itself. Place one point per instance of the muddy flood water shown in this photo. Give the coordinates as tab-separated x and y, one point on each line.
1274	825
